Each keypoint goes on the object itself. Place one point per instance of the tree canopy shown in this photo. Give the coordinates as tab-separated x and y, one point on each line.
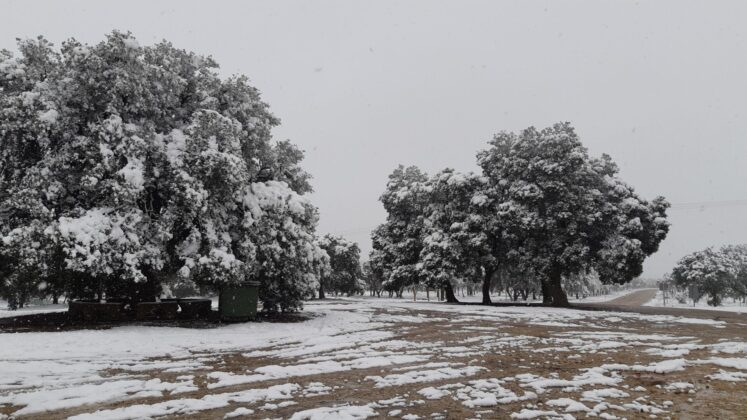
542	211
127	166
571	212
716	273
344	275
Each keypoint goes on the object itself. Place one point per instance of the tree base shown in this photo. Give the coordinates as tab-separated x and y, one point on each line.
449	292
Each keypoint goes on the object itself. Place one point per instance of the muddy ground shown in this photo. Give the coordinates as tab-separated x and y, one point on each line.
469	339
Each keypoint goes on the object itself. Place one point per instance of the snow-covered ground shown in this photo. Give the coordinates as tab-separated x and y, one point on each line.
29	310
46	308
504	298
488	358
727	305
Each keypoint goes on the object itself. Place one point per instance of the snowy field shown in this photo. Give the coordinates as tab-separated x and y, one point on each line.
30	310
503	298
728	304
47	308
359	358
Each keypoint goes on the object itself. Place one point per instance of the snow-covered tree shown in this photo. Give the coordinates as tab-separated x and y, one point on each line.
456	246
714	272
373	278
397	242
569	212
124	166
738	254
582	284
289	262
344	266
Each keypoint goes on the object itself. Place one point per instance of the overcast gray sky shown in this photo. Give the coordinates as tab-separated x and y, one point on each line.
364	86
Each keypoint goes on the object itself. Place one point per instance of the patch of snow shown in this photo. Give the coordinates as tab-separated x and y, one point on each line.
526	413
346	412
724	375
726	305
571	405
728	362
191	405
424	376
241	411
665	366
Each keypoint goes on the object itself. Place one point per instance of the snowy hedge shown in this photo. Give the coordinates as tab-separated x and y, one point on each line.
125	167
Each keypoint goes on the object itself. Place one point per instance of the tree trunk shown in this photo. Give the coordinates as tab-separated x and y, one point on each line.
559	298
546	298
449	291
486	287
321	291
428	294
55	299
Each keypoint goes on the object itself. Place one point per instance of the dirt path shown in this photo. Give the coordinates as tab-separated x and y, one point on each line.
637	298
634	302
453	362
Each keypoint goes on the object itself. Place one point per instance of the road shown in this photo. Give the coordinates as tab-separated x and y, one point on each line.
633	302
637	298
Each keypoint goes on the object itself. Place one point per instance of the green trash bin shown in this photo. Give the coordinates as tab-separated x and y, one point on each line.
238	303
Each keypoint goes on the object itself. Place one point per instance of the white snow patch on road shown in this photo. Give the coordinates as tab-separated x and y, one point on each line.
724	375
570	405
599	395
489	392
270	372
728	362
239	412
347	412
192	405
419	376
665	366
526	413
58	399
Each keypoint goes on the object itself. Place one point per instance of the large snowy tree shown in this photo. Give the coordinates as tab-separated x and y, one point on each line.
456	246
124	166
397	243
570	212
344	272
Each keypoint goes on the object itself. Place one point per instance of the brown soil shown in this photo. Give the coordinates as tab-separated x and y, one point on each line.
711	399
637	298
